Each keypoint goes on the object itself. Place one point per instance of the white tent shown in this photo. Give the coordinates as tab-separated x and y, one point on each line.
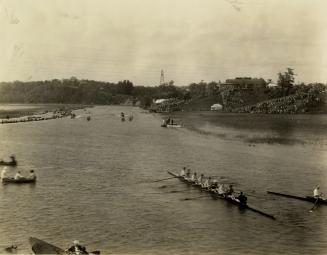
216	107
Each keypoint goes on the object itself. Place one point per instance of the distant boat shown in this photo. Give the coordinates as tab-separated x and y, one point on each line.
18	181
6	163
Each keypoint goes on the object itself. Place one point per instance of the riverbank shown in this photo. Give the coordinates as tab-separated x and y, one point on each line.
14	113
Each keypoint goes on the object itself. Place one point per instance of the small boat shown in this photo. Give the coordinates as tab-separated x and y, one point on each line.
42	247
230	199
8	163
18	181
306	198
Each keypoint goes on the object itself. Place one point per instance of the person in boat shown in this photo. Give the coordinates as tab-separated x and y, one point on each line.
18	176
200	179
32	175
164	123
242	198
13	159
4	173
207	183
77	248
183	173
188	174
221	189
230	190
214	184
194	177
316	192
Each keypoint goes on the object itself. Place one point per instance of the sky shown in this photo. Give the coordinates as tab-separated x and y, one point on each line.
191	40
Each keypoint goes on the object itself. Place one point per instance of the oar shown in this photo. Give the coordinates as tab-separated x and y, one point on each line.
165	179
192	198
95	252
314	205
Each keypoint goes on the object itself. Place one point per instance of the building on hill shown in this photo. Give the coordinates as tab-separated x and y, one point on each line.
244	83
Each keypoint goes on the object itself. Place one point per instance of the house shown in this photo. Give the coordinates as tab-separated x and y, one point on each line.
243	83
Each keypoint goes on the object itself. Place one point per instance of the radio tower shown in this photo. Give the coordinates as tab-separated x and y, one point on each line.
162	78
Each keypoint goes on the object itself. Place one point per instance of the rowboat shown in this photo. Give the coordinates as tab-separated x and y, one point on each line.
230	199
42	247
306	198
18	181
6	163
172	126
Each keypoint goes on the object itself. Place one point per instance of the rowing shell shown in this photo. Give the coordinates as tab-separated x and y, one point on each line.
307	198
230	199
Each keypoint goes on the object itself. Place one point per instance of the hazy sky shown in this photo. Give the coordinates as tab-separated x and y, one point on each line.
191	40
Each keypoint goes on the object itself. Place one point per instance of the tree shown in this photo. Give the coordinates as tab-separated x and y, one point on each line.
286	81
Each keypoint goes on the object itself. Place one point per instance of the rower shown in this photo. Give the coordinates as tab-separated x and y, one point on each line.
214	184
316	192
13	159
194	177
18	176
77	248
242	198
32	175
188	174
207	183
182	173
200	179
221	190
230	190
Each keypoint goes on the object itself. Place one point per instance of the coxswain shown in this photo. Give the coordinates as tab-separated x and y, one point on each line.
214	184
316	193
182	173
194	177
242	198
32	175
18	176
77	248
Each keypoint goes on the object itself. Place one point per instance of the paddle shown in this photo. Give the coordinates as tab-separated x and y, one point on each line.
192	198
165	179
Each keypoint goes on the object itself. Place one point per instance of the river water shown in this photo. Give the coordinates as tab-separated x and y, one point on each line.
94	183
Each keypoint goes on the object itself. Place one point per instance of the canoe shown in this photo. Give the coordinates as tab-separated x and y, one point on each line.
41	247
11	163
229	199
306	198
19	181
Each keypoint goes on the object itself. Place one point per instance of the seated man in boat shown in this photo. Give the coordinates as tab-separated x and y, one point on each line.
19	176
221	189
242	198
316	193
194	177
182	173
207	183
200	179
32	175
77	248
13	159
230	190
214	185
188	174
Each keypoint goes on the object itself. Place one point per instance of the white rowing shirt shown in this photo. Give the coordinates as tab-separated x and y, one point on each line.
316	192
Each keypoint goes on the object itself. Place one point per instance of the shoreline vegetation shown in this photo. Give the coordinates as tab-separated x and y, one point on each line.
237	95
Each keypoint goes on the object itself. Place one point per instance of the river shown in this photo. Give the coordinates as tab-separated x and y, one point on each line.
95	183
